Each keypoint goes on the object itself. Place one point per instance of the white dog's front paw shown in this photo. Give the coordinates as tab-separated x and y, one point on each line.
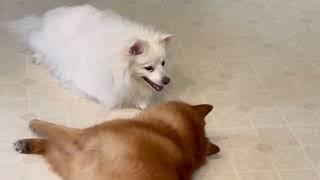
143	105
36	58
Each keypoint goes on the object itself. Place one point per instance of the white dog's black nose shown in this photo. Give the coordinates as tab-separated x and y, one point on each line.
165	80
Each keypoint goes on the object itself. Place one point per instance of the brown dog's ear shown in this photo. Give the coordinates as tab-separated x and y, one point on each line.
203	109
212	149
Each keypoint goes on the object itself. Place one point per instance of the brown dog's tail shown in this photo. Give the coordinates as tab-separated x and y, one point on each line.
31	146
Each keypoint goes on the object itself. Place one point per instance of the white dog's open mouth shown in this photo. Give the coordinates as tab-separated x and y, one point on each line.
152	84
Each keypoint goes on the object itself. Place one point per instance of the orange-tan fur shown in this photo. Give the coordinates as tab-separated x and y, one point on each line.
166	142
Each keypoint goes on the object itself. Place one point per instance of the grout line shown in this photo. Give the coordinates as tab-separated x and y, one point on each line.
287	123
257	77
231	159
242	128
27	59
287	170
293	134
236	171
301	145
272	158
295	137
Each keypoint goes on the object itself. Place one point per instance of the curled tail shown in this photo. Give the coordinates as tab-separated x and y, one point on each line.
26	26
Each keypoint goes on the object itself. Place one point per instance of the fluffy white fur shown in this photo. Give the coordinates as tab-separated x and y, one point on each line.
100	53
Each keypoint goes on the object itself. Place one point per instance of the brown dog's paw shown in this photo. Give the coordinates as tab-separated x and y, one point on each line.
31	146
22	146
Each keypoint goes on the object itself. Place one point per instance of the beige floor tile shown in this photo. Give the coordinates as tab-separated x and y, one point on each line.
298	175
240	69
266	117
301	117
38	74
48	109
277	137
12	93
237	138
220	163
256	98
230	117
313	154
92	109
216	176
307	135
16	126
291	159
262	175
11	60
12	112
247	160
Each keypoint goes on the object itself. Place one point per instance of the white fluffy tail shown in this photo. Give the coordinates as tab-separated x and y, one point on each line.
25	27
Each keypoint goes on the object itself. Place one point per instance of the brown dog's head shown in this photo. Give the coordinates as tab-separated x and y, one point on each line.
201	111
189	121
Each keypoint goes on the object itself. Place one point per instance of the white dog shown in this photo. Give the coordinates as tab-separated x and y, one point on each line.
118	62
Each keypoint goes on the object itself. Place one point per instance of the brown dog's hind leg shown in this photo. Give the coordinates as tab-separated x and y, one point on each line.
31	146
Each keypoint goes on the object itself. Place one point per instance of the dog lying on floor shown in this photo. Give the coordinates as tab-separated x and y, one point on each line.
165	142
111	59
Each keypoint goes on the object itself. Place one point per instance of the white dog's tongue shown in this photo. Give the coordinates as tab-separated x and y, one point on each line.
158	88
152	84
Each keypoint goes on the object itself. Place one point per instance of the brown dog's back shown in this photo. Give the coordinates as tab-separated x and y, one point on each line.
165	142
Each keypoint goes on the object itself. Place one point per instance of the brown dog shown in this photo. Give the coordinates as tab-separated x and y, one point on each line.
166	142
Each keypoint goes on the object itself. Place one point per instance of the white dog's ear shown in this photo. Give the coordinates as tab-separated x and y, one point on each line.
166	38
138	47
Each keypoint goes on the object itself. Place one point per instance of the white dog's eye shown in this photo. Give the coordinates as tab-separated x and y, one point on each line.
149	68
163	63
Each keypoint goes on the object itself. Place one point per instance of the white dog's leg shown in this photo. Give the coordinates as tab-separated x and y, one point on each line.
143	105
36	58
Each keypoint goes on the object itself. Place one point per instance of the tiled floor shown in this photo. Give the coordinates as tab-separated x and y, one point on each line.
258	62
